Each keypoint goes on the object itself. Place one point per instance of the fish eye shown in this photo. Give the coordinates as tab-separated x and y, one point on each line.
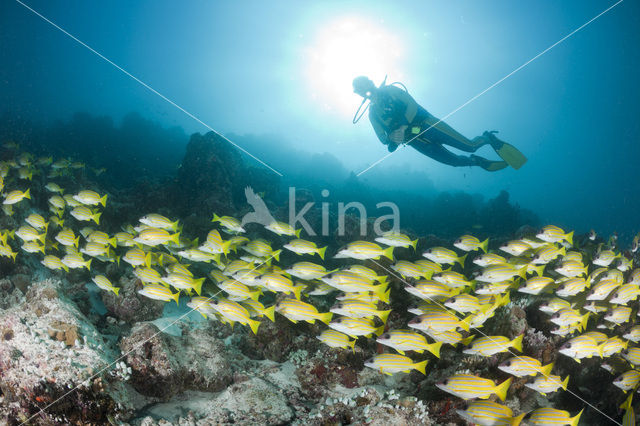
568	345
446	382
386	336
508	363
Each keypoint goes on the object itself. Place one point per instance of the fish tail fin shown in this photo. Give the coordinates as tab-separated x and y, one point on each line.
255	295
116	290
569	237
414	244
13	255
270	312
562	251
388	253
379	330
296	291
484	246
467	340
385	296
461	259
573	421
76	241
326	317
484	308
515	421
627	402
545	370
539	270
434	348
103	200
506	299
297	232
464	323
276	256
174	225
585	320
197	285
176	297
321	252
379	290
502	388
88	264
517	343
352	343
522	272
175	238
41	248
254	325
96	218
421	366
65	267
46	227
27	193
565	382
112	241
147	260
216	218
42	236
384	315
226	246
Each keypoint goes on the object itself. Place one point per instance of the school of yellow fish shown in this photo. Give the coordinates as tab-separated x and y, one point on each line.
578	290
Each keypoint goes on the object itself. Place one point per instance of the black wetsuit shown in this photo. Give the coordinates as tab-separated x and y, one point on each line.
392	108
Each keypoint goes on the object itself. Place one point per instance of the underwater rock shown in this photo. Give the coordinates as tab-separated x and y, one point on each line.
213	175
253	402
164	365
36	370
21	282
128	305
274	341
327	369
9	295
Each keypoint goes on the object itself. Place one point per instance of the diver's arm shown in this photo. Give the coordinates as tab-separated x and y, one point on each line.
380	131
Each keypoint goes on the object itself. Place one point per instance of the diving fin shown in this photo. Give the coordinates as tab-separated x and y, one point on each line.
488	165
507	152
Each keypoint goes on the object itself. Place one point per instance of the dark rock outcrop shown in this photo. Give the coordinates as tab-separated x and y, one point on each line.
164	365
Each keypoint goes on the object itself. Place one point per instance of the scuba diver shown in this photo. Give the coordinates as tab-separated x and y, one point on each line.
398	120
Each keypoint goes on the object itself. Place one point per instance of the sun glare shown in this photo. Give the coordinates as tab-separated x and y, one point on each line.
347	48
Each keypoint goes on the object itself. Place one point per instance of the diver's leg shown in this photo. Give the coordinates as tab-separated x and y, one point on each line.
442	155
442	133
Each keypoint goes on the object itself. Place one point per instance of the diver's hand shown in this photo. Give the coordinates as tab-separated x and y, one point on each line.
397	136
